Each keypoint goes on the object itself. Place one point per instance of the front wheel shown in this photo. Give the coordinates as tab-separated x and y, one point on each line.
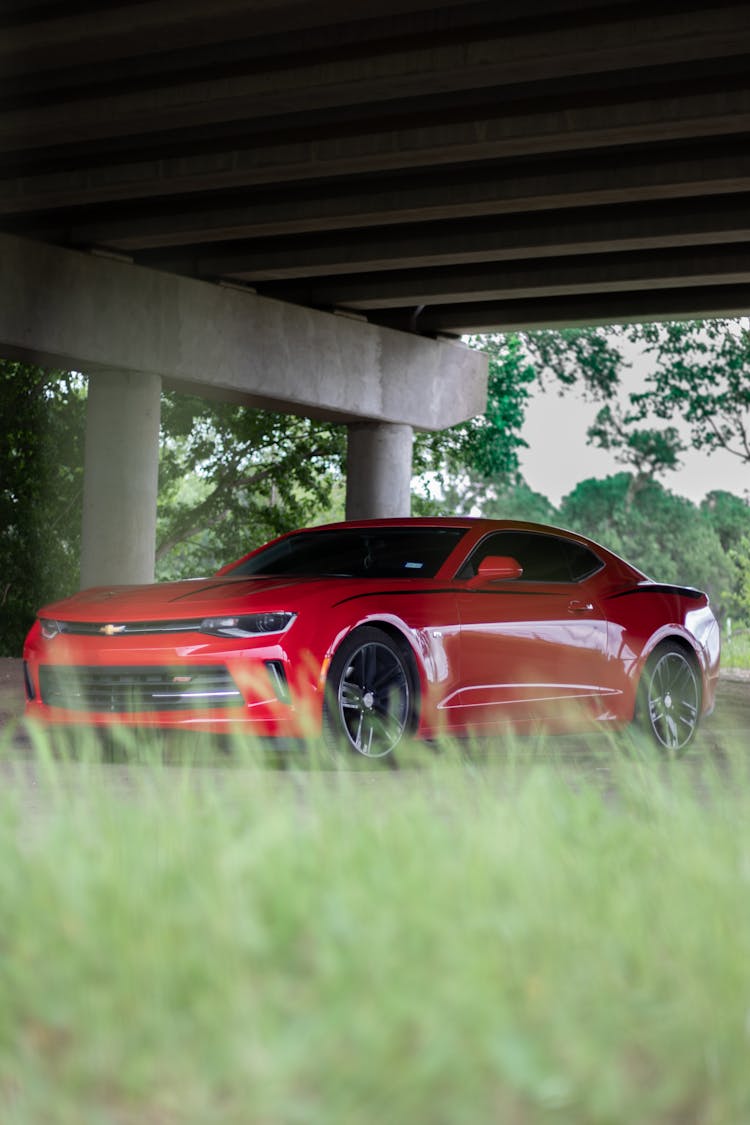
670	702
369	701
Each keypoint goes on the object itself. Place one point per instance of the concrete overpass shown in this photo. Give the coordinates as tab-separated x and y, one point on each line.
300	204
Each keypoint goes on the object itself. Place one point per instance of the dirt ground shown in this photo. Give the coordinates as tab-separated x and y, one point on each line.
11	688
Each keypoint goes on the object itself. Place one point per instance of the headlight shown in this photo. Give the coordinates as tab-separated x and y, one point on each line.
49	628
249	625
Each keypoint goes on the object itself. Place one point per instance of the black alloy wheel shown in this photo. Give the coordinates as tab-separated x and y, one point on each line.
369	695
671	700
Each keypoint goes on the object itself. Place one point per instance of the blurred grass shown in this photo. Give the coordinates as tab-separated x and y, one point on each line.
735	651
451	943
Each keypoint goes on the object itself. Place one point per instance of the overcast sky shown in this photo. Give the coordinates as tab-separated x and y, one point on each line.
558	456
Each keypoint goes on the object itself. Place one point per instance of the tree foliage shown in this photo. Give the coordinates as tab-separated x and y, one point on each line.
699	376
663	534
230	478
592	359
647	451
741	558
505	497
41	481
482	455
488	445
702	375
729	515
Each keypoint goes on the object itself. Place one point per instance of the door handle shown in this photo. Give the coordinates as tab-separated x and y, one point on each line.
579	607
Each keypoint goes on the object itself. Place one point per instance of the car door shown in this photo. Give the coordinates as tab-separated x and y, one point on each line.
533	650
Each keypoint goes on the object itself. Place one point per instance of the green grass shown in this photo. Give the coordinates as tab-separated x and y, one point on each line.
451	943
735	652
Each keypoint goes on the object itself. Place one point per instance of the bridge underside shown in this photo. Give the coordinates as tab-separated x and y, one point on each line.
426	167
436	166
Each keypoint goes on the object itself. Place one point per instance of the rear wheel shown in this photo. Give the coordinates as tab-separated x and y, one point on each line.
369	702
670	701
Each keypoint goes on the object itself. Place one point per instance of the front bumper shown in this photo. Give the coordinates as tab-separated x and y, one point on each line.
206	686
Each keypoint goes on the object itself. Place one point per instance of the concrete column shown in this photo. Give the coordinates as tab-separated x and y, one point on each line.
378	470
121	469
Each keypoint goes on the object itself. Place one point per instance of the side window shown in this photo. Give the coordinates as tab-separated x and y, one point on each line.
544	558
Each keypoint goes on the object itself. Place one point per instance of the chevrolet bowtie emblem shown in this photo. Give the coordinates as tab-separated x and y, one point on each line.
110	630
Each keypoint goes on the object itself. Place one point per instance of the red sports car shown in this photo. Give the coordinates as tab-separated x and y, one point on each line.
376	630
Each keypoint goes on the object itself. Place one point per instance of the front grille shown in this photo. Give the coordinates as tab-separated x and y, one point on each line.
129	689
130	628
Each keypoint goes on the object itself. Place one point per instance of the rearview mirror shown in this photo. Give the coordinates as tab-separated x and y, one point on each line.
498	568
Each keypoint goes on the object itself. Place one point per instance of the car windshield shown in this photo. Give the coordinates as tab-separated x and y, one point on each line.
382	552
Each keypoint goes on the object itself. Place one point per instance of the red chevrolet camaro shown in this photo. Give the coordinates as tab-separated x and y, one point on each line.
376	630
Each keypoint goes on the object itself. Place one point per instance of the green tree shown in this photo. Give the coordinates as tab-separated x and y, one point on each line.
701	375
505	497
729	516
487	445
663	534
648	452
230	478
592	359
41	480
475	466
740	556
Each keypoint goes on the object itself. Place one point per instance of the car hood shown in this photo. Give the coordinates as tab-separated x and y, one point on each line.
186	600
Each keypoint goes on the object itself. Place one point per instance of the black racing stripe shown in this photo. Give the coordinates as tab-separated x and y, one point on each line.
391	594
281	583
660	588
449	590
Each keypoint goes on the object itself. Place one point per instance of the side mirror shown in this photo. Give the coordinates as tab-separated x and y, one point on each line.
497	568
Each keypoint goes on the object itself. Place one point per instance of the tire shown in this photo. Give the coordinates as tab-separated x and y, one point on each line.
370	697
670	698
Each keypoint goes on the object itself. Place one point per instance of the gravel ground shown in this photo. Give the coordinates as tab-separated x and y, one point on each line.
11	688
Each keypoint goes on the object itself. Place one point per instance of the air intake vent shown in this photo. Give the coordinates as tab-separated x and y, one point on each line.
131	689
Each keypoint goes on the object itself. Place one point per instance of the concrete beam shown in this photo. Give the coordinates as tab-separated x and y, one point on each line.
495	239
634	306
667	268
420	67
146	29
634	119
68	309
593	179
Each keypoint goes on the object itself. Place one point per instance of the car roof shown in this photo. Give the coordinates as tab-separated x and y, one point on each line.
476	523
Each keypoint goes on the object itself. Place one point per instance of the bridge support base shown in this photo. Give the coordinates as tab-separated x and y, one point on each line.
378	470
121	470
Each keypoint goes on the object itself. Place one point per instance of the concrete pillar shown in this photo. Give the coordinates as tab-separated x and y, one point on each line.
378	470
121	468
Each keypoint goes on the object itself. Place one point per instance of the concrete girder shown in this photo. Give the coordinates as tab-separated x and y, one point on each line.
632	306
418	68
635	119
65	308
592	180
547	234
118	32
673	268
